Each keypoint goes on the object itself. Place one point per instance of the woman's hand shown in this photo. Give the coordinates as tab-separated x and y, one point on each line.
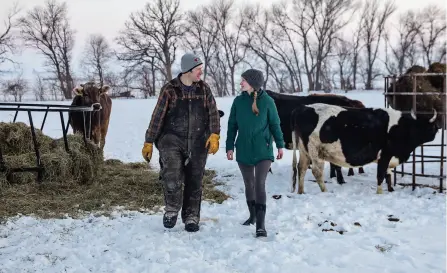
280	153
230	155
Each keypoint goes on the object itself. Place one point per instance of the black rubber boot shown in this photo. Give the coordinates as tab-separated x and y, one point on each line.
260	219
191	226
169	220
251	208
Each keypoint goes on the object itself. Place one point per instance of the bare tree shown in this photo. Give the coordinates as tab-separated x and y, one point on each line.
116	81
266	40
328	16
152	34
46	29
218	72
7	39
344	51
284	35
432	33
16	87
403	53
313	25
230	34
97	55
39	87
373	26
202	34
357	47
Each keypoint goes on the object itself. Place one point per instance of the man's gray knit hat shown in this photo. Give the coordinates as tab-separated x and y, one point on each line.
254	77
189	61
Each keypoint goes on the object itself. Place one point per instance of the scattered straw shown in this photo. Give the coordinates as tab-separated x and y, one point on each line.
78	181
131	185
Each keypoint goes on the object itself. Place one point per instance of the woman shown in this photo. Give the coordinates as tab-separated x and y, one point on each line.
255	119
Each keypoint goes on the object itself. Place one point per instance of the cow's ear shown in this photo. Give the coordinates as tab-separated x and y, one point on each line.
105	89
77	91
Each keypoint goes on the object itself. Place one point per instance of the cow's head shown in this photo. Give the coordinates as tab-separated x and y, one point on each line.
91	93
423	129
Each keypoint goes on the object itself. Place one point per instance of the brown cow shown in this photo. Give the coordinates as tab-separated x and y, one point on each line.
89	94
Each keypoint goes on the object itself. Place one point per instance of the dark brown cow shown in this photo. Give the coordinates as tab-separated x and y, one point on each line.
89	94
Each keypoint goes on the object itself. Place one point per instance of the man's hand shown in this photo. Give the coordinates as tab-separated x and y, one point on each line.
213	142
230	155
147	151
280	153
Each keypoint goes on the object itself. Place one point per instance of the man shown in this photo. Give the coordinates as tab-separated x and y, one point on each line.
184	124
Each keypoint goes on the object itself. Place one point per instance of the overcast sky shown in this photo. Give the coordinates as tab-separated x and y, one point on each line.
108	16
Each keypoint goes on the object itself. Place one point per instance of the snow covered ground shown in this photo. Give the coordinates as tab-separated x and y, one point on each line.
136	242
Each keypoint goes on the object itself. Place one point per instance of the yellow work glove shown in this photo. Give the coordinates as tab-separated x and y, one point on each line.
213	142
147	151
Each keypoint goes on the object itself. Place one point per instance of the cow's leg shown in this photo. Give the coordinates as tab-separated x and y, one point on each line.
294	163
104	129
317	171
303	165
382	167
340	178
96	136
361	170
336	172
332	171
350	172
388	180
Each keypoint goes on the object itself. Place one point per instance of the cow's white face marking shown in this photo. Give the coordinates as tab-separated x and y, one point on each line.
394	117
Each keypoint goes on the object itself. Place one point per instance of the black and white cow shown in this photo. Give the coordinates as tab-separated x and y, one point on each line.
286	103
351	137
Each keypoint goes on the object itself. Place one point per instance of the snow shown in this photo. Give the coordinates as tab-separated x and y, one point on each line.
130	241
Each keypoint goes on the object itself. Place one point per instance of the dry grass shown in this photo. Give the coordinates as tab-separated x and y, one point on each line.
81	164
132	186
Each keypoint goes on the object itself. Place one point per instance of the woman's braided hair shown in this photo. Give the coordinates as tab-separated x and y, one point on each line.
254	106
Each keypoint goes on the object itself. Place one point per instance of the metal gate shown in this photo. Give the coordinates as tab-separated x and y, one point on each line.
37	107
420	158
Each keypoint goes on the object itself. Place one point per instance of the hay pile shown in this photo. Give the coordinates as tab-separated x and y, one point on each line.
81	164
424	103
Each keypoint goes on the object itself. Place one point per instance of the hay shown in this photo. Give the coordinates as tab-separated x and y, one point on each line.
424	103
18	161
80	164
16	138
131	186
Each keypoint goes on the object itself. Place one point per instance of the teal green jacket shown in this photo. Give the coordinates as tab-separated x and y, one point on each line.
254	133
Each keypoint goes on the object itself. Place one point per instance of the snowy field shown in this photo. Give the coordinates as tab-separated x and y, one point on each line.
366	240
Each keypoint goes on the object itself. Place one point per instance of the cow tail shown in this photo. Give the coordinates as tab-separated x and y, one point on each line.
294	147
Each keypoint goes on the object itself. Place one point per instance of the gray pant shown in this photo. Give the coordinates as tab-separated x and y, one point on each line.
254	180
174	174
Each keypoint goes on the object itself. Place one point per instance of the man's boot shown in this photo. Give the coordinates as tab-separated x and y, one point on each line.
251	208
169	219
191	226
260	218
